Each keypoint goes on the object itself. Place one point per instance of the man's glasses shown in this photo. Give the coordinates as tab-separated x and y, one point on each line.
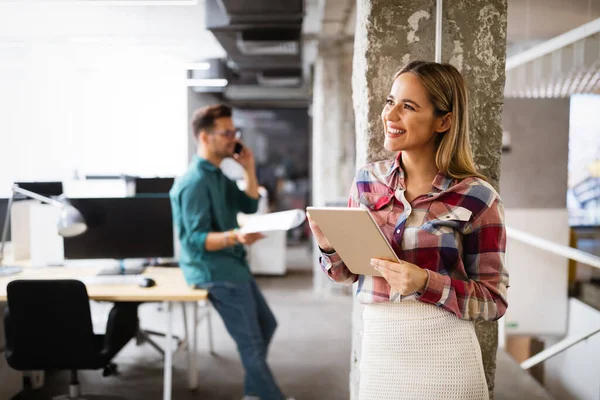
230	134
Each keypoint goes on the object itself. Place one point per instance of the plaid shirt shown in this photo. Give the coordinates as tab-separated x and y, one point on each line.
456	232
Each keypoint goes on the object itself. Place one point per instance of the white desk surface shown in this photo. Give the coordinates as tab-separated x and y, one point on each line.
170	284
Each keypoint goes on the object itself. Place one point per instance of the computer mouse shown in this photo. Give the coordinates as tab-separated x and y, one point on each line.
147	282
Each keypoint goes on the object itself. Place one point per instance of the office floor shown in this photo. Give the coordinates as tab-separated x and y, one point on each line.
310	355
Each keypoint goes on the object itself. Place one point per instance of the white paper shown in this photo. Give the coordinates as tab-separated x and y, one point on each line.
278	221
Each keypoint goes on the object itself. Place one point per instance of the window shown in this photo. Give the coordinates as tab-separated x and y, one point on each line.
102	110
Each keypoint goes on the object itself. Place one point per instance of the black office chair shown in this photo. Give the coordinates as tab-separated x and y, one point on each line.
48	326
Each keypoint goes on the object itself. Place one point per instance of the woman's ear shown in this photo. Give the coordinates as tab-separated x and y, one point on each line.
444	123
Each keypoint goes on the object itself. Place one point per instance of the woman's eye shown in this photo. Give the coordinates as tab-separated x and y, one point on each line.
389	102
408	107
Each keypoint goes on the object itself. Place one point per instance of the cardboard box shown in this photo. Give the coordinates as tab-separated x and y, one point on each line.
521	348
590	294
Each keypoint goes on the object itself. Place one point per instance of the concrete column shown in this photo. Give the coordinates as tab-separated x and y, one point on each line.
389	34
333	137
196	101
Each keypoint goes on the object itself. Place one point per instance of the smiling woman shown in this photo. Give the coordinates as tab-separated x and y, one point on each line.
446	225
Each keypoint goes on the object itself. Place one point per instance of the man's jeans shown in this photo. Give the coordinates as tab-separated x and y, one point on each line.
251	324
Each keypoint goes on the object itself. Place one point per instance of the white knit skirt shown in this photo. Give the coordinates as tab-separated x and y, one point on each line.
415	351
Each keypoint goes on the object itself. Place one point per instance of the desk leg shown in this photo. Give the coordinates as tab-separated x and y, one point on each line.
168	369
193	349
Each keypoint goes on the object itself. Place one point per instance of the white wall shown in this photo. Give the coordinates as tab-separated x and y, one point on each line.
575	374
538	292
533	173
96	109
99	88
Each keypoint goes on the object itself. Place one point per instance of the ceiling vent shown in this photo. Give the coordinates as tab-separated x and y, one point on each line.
274	41
280	78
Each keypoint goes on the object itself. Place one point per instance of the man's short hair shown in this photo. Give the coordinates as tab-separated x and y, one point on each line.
204	118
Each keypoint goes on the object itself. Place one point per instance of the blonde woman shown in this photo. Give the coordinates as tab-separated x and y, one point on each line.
446	224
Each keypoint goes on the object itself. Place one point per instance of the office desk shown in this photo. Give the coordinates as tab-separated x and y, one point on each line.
170	287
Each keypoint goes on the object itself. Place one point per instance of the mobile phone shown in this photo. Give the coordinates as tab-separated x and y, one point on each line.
238	148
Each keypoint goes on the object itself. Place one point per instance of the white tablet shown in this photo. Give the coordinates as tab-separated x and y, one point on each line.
355	237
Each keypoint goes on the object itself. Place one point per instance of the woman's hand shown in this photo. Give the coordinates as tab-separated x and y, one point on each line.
319	236
405	277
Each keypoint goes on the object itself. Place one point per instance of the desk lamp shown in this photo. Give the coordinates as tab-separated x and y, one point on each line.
70	223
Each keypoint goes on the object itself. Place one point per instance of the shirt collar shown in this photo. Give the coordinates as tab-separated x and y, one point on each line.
204	164
395	177
441	182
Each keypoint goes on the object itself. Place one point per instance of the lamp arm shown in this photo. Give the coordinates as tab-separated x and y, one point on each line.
5	228
36	196
17	189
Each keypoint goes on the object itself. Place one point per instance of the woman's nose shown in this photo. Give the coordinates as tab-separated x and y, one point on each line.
393	114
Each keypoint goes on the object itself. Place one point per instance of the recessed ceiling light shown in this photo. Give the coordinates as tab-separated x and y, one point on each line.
207	82
199	66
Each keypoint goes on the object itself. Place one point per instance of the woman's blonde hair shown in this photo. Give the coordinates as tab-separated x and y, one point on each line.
448	93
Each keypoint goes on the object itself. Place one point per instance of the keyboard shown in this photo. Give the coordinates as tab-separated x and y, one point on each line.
116	270
112	280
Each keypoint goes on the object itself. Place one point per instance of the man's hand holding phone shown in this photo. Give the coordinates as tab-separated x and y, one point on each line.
244	156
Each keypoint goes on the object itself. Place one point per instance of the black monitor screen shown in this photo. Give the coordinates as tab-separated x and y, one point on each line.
153	185
127	227
47	189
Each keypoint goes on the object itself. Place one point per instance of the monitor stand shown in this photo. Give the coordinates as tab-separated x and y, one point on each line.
121	270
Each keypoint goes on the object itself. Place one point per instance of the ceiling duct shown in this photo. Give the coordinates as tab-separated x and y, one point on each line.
280	78
260	36
256	12
273	41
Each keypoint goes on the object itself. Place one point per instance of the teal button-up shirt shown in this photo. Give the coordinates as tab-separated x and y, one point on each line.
204	200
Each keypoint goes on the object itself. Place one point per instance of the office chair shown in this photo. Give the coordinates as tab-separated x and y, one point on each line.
48	326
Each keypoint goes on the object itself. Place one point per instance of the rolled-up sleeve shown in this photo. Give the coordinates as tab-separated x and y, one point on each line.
336	270
245	203
196	215
484	294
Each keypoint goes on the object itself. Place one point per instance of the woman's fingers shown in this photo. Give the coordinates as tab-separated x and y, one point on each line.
390	265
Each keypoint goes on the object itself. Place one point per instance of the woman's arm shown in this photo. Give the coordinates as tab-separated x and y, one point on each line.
484	294
330	261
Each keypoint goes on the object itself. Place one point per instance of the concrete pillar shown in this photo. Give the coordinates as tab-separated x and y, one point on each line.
389	34
333	136
195	101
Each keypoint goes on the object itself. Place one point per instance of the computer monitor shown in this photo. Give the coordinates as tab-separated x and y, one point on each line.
47	189
153	185
121	228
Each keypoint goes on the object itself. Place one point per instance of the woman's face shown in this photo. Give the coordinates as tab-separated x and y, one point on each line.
408	116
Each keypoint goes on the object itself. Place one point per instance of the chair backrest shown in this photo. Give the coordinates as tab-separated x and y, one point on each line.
48	324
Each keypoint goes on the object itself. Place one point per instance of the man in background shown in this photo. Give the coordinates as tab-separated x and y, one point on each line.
205	204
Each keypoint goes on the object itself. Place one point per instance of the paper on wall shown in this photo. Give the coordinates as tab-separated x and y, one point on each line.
277	221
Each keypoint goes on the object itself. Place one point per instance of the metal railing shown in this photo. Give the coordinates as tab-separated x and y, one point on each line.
569	253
